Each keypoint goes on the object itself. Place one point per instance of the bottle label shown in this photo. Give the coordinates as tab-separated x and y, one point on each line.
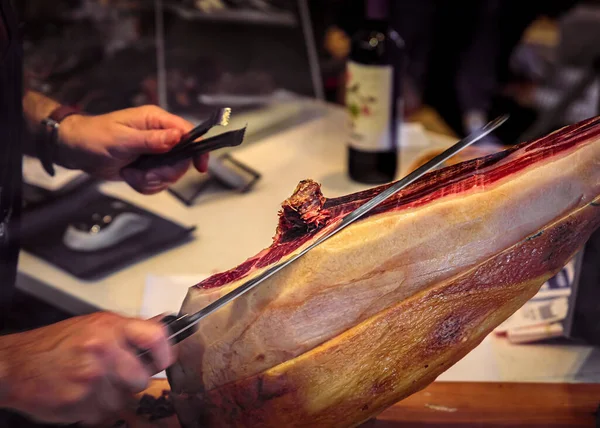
369	95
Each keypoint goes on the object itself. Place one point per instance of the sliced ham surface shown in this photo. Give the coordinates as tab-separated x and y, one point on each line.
449	222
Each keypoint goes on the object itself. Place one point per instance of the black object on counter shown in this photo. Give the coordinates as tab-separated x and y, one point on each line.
374	97
90	234
224	174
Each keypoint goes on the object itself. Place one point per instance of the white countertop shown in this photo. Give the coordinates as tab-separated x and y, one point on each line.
234	227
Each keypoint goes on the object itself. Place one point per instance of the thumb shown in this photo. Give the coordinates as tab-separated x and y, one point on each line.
153	141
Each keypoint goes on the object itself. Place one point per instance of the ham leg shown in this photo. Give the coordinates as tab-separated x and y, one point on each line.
379	310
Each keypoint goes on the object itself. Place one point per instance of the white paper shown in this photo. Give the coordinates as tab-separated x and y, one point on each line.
559	285
534	333
550	305
164	295
536	313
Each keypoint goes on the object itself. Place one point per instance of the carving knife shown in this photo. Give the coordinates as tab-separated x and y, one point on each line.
182	326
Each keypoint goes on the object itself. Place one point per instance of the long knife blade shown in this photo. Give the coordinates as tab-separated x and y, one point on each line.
181	326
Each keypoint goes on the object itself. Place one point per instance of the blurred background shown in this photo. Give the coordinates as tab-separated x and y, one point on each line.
493	56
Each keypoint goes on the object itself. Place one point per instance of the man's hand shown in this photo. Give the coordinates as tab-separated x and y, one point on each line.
104	145
79	370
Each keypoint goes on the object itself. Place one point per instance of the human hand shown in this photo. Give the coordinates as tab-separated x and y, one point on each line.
104	145
83	369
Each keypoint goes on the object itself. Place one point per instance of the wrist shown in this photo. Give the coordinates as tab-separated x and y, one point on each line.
51	147
67	142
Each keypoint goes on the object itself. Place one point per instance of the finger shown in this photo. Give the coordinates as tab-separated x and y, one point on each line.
157	118
201	162
107	395
137	180
110	399
155	180
151	141
123	370
167	174
129	373
152	336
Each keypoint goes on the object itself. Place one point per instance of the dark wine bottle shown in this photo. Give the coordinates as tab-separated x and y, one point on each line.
373	96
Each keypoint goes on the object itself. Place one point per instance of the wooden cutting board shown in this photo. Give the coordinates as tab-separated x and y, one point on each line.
457	404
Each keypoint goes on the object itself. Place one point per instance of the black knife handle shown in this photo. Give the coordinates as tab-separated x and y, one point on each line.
174	324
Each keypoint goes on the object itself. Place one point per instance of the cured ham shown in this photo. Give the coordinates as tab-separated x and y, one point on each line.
378	311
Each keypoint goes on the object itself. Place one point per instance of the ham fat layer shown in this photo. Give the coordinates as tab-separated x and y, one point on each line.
357	374
447	223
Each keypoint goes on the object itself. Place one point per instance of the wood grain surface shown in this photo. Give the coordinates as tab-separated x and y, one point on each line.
457	404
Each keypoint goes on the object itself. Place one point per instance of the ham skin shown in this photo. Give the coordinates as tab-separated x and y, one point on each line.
379	310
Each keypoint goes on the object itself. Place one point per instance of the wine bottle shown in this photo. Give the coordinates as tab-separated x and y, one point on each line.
373	96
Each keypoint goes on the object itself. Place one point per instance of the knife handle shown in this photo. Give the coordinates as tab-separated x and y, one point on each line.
175	332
